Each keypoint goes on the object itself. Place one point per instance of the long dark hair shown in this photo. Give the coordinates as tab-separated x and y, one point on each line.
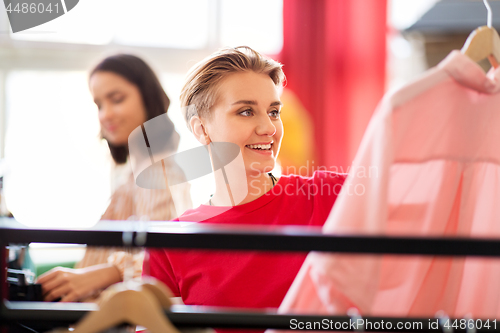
136	71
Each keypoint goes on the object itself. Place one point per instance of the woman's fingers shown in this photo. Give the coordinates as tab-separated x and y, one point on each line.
58	292
57	279
60	283
68	284
71	297
74	284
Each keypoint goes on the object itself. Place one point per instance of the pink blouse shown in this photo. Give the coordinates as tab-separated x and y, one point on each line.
429	164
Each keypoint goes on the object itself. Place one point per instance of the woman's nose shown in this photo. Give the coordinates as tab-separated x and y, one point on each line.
265	126
104	113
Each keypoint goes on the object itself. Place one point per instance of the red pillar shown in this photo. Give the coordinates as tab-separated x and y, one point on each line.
334	59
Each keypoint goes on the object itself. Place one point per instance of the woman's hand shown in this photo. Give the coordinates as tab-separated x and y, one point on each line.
73	285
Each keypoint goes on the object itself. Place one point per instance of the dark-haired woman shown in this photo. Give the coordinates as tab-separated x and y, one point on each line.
127	94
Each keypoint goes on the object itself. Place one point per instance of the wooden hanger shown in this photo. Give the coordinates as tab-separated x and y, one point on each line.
484	42
136	302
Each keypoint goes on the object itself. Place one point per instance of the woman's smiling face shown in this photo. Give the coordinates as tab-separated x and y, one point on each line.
247	113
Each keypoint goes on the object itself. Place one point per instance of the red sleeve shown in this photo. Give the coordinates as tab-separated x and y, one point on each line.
158	265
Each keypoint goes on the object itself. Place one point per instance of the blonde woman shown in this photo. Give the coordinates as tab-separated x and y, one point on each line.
233	97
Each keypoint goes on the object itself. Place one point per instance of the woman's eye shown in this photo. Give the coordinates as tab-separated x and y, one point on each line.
118	100
275	114
246	113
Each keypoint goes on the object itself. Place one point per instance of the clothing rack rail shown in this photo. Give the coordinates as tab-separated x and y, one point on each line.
197	236
196	316
215	237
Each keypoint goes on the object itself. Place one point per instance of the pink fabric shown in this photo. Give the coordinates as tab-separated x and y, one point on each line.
429	164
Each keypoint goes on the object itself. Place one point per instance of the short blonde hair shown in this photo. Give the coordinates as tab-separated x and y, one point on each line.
200	89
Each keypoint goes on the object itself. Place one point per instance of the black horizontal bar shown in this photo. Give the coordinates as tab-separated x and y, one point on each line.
327	243
260	238
197	316
108	234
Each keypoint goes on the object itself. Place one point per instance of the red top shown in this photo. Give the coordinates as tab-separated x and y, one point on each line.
248	279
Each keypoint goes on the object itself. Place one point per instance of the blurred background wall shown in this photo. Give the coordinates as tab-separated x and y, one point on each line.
340	57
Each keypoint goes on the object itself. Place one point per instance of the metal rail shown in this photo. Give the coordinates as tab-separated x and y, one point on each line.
248	238
258	238
199	316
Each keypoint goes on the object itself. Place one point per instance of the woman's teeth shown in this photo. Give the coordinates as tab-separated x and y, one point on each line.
261	147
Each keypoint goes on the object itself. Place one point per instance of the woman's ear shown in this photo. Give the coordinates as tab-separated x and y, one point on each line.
199	130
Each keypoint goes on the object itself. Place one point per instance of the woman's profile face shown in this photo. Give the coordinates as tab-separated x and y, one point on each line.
120	105
247	113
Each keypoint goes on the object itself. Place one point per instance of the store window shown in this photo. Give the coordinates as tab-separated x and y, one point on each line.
151	23
187	24
258	24
172	24
58	168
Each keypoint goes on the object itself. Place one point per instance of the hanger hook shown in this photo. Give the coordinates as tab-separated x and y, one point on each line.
490	15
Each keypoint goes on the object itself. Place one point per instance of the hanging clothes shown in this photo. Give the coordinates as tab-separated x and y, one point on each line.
428	165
